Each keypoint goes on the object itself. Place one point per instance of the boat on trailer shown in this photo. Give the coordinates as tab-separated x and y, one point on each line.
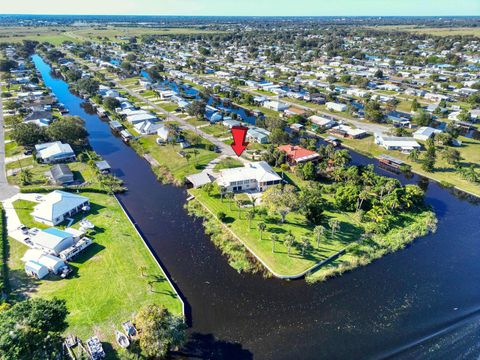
122	339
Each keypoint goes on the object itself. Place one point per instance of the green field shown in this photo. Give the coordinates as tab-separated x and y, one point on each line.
452	31
228	163
107	285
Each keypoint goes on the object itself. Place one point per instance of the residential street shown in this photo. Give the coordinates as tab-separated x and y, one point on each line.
6	190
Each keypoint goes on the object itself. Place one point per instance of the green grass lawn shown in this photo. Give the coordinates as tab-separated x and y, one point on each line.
279	261
228	163
107	285
12	149
168	155
195	122
470	151
216	130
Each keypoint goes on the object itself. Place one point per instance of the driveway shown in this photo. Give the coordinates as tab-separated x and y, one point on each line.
6	190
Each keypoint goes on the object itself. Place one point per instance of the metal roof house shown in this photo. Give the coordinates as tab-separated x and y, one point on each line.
57	206
52	240
61	174
35	269
51	262
103	166
54	152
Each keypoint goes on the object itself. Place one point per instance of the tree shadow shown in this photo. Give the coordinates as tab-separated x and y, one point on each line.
87	254
205	346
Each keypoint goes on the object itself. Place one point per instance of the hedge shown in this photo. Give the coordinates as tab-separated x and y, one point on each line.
3	254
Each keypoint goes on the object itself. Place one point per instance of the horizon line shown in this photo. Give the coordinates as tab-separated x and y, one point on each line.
252	16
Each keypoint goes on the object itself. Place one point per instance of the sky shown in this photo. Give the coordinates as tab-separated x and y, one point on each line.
246	7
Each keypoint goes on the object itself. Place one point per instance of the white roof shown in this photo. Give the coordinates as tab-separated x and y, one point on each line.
56	204
48	150
259	171
402	142
426	131
140	117
39	257
320	120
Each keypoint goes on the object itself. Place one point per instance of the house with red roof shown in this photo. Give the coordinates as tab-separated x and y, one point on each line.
297	154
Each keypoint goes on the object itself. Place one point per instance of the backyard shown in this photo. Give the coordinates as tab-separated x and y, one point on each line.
111	280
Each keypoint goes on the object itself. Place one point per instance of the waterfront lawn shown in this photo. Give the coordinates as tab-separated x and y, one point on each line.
279	261
107	285
168	155
443	172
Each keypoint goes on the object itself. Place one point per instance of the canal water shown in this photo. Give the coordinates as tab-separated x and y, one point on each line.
421	302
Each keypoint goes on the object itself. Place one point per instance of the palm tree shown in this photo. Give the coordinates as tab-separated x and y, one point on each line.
414	155
274	239
305	243
319	231
143	269
333	223
250	215
229	197
289	241
362	196
26	176
239	206
261	227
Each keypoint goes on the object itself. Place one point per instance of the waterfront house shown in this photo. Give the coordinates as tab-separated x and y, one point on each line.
147	127
254	176
348	132
405	144
54	152
275	105
138	118
258	135
297	154
57	206
164	134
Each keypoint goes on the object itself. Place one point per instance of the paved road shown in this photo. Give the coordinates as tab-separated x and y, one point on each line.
6	190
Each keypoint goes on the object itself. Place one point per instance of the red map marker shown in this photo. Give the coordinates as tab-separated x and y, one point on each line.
239	134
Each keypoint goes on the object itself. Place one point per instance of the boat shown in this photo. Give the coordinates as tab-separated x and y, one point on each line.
95	348
122	339
129	328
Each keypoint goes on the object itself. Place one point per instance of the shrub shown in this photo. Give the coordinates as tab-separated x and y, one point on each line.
221	216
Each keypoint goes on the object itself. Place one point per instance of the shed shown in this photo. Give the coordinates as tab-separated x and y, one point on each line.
52	263
34	269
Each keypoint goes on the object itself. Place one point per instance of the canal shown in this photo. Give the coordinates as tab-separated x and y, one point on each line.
423	301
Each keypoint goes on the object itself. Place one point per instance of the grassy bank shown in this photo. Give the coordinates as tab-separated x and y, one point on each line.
410	227
296	224
112	279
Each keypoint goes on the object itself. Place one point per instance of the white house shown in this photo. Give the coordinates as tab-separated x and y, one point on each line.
254	176
425	132
164	134
275	105
137	118
336	106
405	144
54	152
322	121
57	206
147	127
36	270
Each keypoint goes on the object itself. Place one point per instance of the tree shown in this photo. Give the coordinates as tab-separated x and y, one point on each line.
289	241
279	200
229	197
311	202
415	105
88	86
111	103
261	227
7	65
159	331
28	134
379	74
309	171
414	155
197	108
422	118
250	215
334	225
373	111
341	158
452	156
319	232
430	156
32	329
274	239
305	243
26	176
69	130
